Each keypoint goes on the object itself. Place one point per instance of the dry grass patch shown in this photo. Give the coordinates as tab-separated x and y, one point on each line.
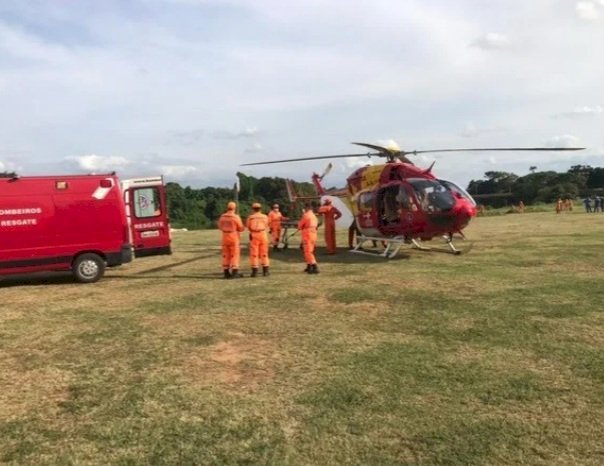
37	391
587	330
240	363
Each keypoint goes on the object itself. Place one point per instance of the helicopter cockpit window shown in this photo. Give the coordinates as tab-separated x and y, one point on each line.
459	190
366	201
432	195
402	198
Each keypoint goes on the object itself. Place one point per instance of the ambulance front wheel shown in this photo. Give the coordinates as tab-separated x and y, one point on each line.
88	268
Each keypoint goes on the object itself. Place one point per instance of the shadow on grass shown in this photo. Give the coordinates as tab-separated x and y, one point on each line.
176	264
193	276
37	279
342	256
63	278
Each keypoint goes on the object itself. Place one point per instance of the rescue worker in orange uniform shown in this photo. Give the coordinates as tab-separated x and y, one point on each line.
275	217
231	226
257	224
330	215
308	229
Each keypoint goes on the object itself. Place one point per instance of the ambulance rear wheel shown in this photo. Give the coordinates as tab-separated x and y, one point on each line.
88	268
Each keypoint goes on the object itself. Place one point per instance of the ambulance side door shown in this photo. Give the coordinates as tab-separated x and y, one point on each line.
146	207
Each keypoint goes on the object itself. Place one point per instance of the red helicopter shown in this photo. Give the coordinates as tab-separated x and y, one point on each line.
399	203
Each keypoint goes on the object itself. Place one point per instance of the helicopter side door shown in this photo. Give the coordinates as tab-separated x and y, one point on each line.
411	215
398	209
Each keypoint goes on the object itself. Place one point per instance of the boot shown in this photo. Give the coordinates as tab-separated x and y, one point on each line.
235	274
313	269
265	271
307	269
254	272
227	274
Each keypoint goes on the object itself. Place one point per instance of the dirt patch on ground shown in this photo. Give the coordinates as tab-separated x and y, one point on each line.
241	362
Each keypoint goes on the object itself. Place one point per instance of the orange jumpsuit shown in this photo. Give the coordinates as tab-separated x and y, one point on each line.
231	226
308	228
274	224
257	224
331	214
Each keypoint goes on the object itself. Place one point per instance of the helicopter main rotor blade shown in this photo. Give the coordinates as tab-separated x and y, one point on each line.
313	158
381	149
413	152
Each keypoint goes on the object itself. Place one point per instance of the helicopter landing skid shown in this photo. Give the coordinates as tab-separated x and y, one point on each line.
391	249
451	249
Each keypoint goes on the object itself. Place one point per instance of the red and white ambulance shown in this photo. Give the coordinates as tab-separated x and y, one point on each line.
81	223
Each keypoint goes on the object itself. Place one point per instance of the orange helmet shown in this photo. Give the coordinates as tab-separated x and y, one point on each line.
256	205
231	206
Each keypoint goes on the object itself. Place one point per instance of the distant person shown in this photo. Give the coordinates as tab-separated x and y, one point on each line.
521	207
558	205
330	215
231	226
275	217
569	202
257	224
308	229
597	204
587	204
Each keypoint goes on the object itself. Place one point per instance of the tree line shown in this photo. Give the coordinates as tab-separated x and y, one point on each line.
502	188
200	208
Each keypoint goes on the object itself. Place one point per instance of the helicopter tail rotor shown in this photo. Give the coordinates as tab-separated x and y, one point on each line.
326	171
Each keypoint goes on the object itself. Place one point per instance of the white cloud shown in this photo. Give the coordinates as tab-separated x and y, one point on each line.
564	140
9	166
581	112
186	138
246	133
491	41
469	130
311	75
588	11
254	148
98	163
177	172
357	162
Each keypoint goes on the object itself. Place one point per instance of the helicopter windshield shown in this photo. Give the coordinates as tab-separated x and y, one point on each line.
432	195
459	190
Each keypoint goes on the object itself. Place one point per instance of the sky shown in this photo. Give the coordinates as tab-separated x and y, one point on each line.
191	89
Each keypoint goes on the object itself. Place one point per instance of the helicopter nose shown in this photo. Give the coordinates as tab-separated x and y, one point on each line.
470	211
463	214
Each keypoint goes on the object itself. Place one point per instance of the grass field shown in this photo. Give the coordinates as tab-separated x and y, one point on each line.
493	357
